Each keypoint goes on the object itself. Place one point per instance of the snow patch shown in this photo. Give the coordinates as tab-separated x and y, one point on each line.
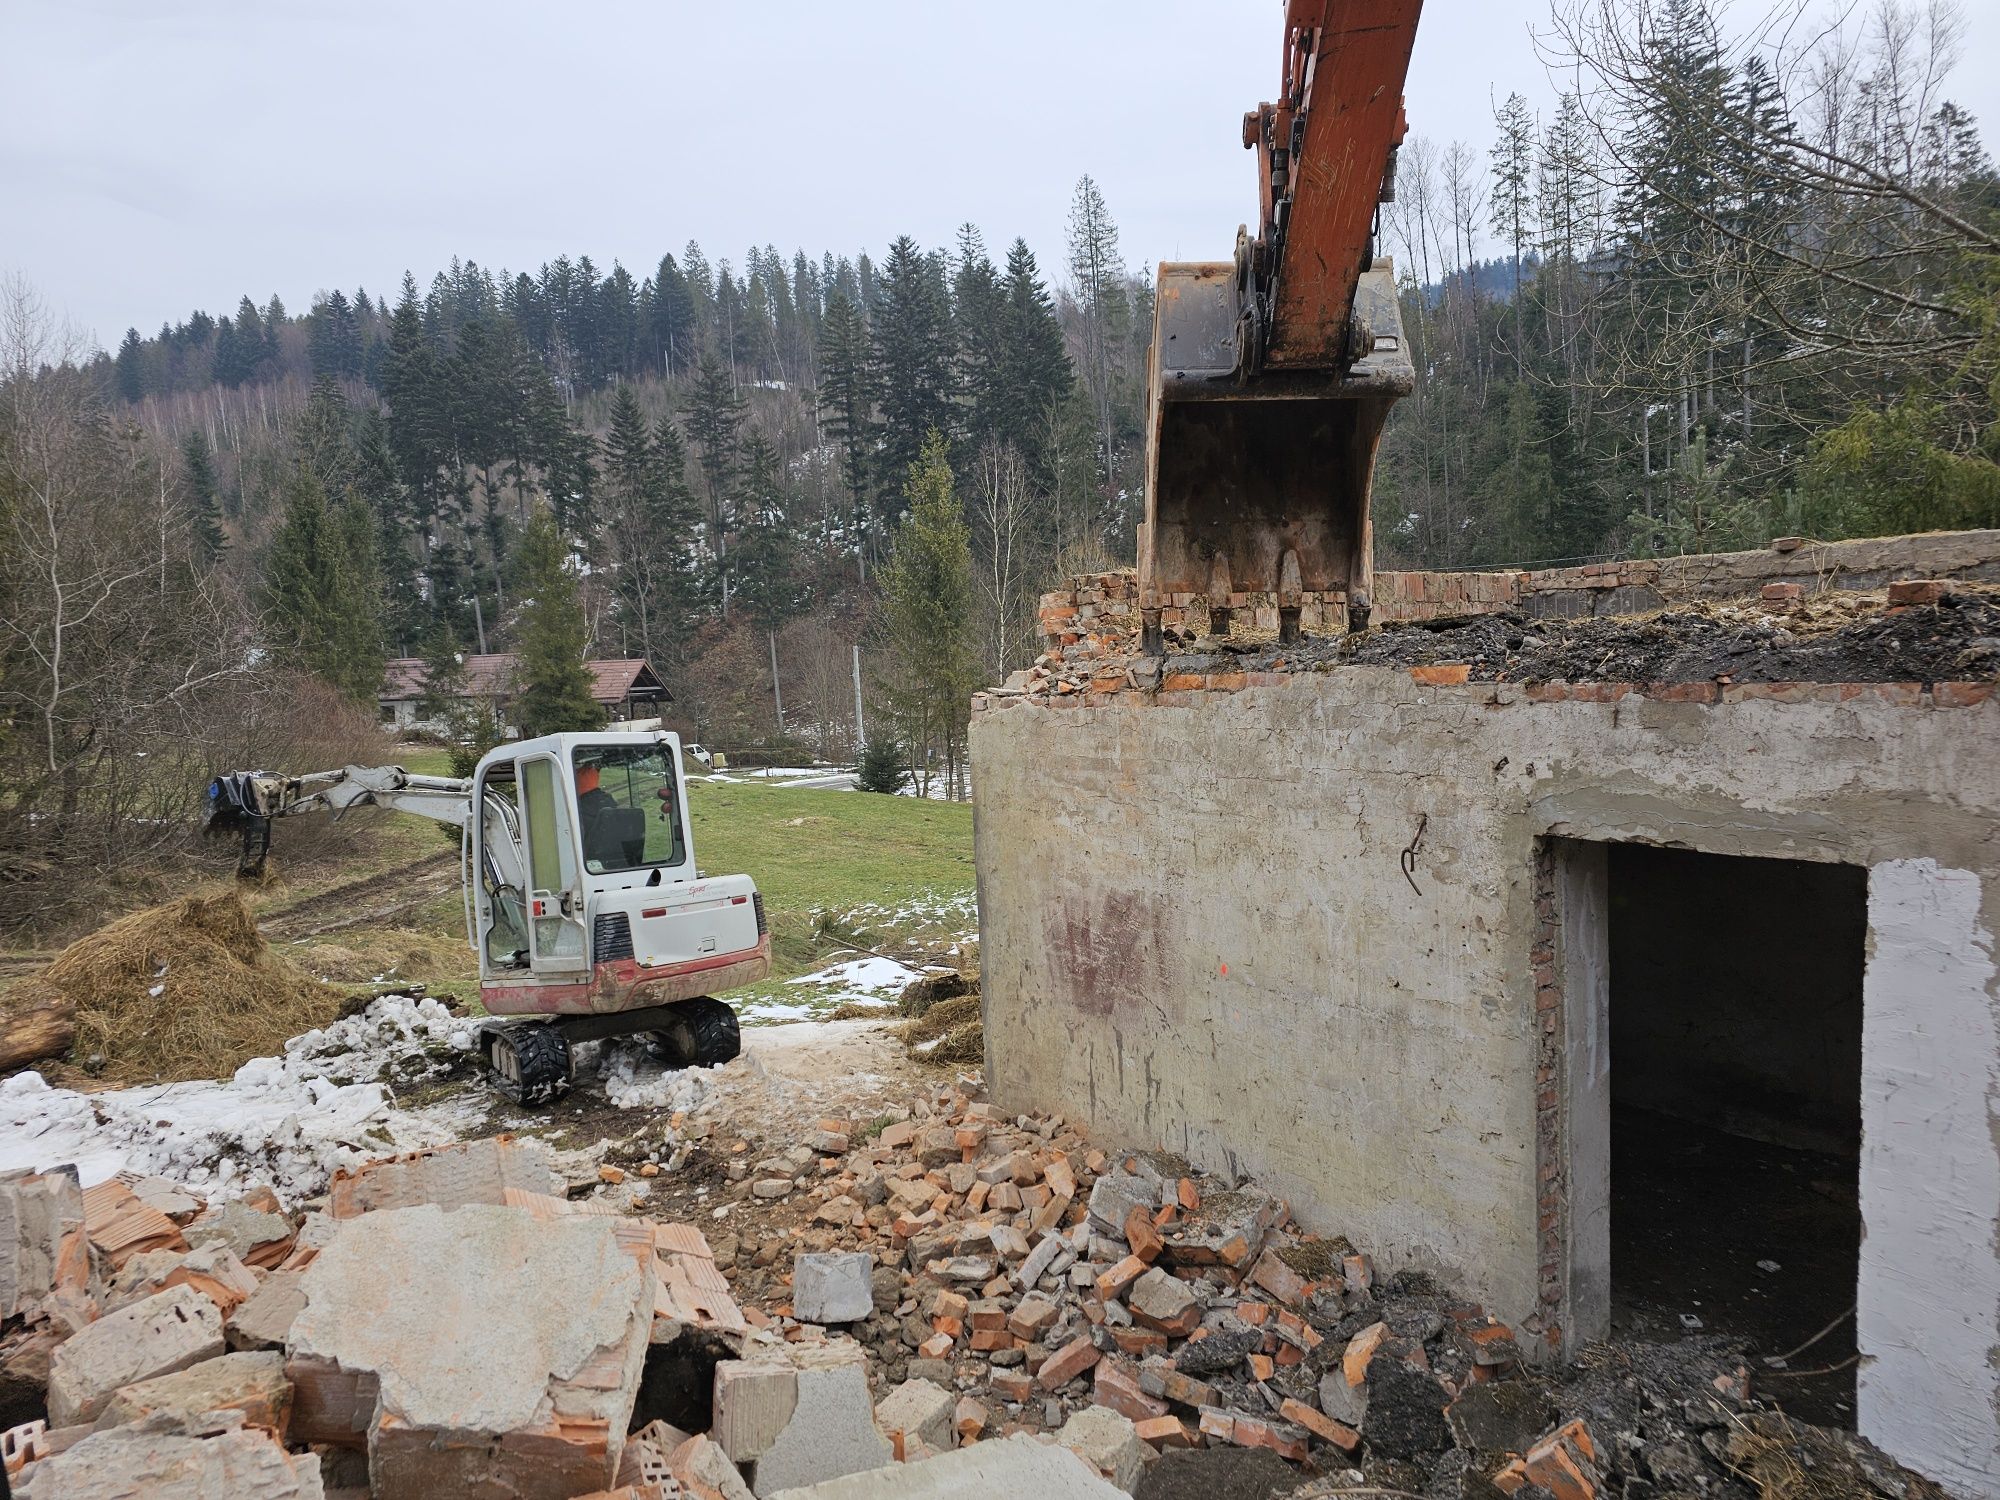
634	1079
290	1121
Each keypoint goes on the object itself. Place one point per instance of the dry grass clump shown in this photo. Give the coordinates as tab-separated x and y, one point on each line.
858	1010
185	990
396	956
948	1031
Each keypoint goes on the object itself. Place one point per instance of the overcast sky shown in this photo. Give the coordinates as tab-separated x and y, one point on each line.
162	155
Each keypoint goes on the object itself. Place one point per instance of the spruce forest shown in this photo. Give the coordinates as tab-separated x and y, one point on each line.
1726	288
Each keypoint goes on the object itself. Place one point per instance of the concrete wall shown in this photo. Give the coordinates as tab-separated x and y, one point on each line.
1197	931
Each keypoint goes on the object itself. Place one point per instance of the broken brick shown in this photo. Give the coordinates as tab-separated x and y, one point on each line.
1279	1279
1320	1425
1117	1386
1067	1363
1360	1350
1113	1282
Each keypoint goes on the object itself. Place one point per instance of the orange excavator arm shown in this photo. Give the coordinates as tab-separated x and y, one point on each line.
1273	374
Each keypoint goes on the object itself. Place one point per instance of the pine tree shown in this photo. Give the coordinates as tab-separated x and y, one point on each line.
765	561
1035	373
334	342
204	492
1097	276
715	423
322	609
844	404
910	362
553	687
927	626
1512	201
977	303
130	366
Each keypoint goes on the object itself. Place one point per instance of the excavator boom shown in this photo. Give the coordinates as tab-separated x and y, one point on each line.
1272	375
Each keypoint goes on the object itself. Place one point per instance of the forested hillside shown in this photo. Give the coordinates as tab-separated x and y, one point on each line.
1732	287
724	448
1750	290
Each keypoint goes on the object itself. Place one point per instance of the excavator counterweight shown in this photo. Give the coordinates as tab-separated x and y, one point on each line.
1273	374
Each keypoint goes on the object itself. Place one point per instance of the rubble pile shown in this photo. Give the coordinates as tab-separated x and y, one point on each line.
1916	631
1011	1279
943	1302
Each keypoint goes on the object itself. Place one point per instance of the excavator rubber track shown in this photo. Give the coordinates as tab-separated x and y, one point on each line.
701	1033
530	1062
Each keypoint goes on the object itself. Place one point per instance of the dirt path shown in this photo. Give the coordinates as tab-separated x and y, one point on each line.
375	900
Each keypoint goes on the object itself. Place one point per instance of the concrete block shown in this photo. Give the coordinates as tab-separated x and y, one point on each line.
1107	1441
1163	1302
154	1460
214	1270
244	1229
37	1209
252	1385
703	1470
504	1351
168	1331
753	1400
917	1409
1116	1195
140	1277
265	1317
832	1429
833	1287
1013	1466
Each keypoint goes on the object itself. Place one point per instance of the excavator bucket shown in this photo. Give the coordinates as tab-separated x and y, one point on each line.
1273	374
1257	490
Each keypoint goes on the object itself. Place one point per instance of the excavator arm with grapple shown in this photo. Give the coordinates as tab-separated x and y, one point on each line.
1273	374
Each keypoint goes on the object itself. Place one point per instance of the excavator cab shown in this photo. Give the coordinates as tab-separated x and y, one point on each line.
1272	375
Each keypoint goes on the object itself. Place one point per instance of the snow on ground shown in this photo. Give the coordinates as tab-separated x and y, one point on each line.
634	1079
289	1121
855	981
329	1101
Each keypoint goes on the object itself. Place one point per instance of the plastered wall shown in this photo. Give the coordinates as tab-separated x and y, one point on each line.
1198	932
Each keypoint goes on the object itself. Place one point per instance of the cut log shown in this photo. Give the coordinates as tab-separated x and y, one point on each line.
36	1022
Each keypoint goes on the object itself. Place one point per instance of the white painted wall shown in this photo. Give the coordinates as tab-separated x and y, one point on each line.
1929	1315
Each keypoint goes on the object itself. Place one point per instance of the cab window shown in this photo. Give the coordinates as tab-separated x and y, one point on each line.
629	807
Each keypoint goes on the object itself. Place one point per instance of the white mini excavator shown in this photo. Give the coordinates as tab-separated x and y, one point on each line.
582	898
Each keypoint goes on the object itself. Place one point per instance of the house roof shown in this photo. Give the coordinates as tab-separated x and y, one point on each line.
613	680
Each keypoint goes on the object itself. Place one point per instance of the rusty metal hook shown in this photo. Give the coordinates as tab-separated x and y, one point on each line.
1409	856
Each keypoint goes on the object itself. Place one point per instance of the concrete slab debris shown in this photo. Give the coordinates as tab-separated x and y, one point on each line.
258	1237
265	1317
252	1385
1011	1466
37	1211
124	1462
832	1429
833	1288
215	1272
1106	1441
920	1410
168	1331
753	1401
464	1381
448	1176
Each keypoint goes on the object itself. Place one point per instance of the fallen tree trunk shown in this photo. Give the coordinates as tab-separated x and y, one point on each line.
36	1022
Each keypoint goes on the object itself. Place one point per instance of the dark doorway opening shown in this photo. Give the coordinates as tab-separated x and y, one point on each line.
1735	1101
